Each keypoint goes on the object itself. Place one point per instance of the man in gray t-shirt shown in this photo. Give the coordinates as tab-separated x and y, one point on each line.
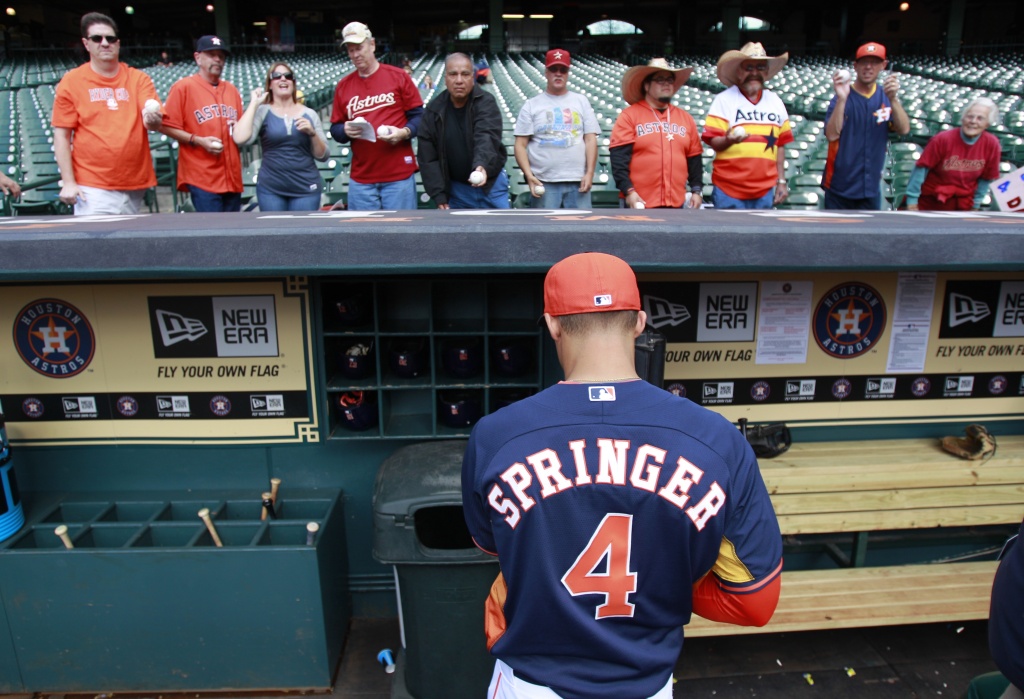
556	141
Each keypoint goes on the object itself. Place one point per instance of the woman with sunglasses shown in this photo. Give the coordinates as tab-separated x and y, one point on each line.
291	137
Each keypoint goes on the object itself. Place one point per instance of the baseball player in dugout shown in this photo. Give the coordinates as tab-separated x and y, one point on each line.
655	147
615	508
107	108
858	122
748	126
200	114
378	108
556	140
460	151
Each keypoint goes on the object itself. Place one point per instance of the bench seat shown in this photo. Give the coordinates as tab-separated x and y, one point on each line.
859	487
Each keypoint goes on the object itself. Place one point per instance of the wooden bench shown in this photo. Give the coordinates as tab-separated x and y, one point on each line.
874	486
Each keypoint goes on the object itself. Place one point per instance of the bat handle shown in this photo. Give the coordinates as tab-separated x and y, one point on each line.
275	484
311	529
204	514
62	532
268	507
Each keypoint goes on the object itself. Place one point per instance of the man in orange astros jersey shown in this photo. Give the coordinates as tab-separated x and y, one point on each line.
748	126
100	104
655	147
200	115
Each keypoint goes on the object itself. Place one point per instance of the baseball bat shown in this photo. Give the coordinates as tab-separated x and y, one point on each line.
204	514
268	507
275	483
62	532
311	529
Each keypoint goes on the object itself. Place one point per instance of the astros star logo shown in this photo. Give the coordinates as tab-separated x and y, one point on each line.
216	41
54	338
558	55
882	115
770	139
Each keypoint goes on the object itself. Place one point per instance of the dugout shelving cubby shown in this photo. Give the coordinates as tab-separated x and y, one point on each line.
147	601
412	331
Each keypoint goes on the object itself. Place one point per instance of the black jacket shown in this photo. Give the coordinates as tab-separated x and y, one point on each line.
483	141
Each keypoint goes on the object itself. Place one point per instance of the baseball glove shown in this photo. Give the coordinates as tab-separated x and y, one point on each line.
978	444
767	441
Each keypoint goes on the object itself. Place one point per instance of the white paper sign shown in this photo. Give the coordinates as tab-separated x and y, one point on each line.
1009	191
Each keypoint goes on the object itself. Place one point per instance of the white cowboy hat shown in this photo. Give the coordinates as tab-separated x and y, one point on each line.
730	60
633	79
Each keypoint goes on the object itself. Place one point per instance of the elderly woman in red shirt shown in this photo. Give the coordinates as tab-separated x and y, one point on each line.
957	165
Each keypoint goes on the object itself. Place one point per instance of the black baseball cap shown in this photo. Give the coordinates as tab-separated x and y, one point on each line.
211	43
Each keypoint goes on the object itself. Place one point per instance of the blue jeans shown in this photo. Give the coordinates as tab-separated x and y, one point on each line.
214	202
724	201
834	201
390	196
561	195
276	202
466	196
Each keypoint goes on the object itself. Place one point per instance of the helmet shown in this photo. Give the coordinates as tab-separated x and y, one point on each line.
459	408
357	361
358	410
512	357
462	357
408	358
354	308
510	396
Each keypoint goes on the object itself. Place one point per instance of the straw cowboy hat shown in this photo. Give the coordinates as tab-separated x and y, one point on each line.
731	60
633	79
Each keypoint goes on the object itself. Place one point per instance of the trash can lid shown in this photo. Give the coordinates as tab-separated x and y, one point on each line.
428	473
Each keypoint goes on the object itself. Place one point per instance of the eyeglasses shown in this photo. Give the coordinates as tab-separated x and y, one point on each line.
98	38
277	76
558	69
664	79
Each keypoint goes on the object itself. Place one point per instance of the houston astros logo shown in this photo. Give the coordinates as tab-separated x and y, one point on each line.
54	338
849	320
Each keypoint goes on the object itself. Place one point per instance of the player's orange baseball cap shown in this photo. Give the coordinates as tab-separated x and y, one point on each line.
590	282
872	50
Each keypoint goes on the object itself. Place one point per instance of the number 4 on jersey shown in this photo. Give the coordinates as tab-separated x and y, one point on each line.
610	543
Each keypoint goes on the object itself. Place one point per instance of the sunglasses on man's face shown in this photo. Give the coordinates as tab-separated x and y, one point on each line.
98	38
277	76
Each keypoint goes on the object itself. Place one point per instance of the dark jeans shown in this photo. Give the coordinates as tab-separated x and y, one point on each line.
834	201
212	201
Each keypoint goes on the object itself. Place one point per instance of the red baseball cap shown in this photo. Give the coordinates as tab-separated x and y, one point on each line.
590	282
871	50
556	57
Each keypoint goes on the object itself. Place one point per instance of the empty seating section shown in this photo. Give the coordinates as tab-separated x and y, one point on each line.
934	91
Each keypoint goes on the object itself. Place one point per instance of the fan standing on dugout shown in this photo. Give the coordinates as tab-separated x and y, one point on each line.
616	510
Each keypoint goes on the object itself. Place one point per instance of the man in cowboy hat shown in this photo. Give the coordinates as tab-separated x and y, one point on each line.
857	126
655	147
747	125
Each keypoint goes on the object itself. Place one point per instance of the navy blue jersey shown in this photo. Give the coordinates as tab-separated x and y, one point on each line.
853	167
1006	615
605	504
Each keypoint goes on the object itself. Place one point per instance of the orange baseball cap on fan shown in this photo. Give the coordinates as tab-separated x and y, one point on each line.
590	282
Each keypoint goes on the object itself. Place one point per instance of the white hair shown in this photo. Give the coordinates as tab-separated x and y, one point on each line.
993	110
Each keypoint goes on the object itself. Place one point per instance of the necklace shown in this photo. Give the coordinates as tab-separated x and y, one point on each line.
668	120
624	378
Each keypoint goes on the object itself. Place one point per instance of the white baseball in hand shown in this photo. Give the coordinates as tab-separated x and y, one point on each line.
476	177
358	120
539	189
151	106
639	205
739	132
384	131
844	75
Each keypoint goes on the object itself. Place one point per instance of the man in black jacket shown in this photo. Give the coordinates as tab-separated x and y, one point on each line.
461	156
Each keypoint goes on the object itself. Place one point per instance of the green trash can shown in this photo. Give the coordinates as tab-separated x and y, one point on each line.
441	578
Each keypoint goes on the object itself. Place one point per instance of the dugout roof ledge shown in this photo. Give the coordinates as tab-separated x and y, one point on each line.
515	241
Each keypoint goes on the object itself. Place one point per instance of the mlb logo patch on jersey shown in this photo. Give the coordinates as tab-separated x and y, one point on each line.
602	393
603	300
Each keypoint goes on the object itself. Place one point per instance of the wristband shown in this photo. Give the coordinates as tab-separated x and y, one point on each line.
780	182
191	139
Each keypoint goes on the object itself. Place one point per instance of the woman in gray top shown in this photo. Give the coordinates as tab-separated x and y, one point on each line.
291	137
